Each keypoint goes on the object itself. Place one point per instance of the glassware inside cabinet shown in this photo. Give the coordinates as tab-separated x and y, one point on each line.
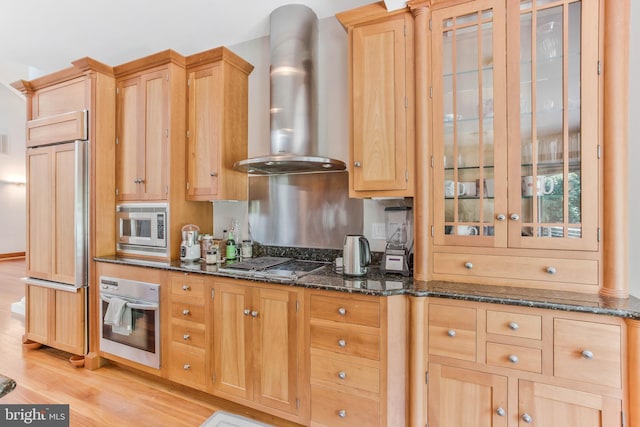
550	119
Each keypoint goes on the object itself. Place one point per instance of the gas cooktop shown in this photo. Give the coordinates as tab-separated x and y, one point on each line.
272	268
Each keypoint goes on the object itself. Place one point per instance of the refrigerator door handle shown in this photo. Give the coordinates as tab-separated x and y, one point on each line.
81	212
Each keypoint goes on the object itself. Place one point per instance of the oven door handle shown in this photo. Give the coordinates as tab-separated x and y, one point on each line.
135	306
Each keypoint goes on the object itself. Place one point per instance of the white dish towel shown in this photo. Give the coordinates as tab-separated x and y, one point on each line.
118	315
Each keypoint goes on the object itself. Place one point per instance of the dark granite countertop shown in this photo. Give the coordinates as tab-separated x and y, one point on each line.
377	283
6	385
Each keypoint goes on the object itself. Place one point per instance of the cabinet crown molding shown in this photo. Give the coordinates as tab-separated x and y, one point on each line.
218	54
80	67
168	56
366	14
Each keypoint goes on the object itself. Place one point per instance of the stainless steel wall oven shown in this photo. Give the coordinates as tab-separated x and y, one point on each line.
135	335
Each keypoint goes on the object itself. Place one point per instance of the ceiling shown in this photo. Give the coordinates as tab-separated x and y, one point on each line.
42	36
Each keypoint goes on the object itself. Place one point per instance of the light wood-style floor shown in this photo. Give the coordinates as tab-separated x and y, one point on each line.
109	396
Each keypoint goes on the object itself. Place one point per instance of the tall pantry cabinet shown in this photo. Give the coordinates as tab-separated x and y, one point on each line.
76	103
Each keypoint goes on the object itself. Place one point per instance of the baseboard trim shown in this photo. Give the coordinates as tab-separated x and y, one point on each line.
11	255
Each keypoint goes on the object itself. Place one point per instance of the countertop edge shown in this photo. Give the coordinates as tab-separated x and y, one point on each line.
571	302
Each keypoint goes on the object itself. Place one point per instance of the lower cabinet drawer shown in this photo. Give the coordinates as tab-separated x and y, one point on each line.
186	311
587	351
514	267
345	341
188	333
332	408
514	324
513	356
345	373
186	366
452	331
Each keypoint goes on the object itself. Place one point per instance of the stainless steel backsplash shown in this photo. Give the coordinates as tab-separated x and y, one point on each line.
303	210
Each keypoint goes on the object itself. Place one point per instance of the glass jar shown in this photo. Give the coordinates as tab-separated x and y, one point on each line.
247	249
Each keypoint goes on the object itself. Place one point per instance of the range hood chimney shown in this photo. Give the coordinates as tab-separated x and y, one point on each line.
293	97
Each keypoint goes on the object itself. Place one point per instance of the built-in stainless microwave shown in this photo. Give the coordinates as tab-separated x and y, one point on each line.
142	228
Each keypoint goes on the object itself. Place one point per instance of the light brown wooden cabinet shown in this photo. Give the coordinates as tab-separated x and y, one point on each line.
499	366
217	130
143	134
260	328
381	98
56	318
515	144
52	253
189	330
358	350
151	154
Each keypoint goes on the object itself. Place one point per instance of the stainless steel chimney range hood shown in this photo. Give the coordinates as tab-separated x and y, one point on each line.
293	38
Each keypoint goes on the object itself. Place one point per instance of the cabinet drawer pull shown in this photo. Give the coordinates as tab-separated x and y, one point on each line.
513	326
551	270
342	413
342	375
186	367
501	217
468	265
186	337
186	312
342	343
587	354
501	412
214	174
513	358
514	216
342	311
527	418
186	287
451	333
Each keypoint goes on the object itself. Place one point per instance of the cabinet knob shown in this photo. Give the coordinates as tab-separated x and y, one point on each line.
501	217
213	174
501	412
342	413
186	312
247	312
185	287
342	311
451	333
186	337
136	181
357	164
342	343
186	367
514	326
513	358
527	418
514	217
468	265
551	270
254	314
342	375
587	354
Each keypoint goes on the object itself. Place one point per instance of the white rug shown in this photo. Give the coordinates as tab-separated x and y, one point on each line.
226	419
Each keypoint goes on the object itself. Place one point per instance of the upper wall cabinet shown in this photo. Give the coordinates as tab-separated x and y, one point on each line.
150	126
515	135
381	97
218	92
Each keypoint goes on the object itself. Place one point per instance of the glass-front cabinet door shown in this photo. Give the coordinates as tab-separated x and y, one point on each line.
515	103
469	111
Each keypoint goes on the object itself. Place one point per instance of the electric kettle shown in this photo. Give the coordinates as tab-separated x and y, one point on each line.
356	255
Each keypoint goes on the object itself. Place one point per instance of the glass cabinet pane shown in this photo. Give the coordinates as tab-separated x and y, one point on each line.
467	125
550	119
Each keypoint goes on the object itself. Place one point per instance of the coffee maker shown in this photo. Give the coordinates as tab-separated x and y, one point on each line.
190	246
397	254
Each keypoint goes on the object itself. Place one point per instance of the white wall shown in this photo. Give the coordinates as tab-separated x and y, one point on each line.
12	168
634	150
